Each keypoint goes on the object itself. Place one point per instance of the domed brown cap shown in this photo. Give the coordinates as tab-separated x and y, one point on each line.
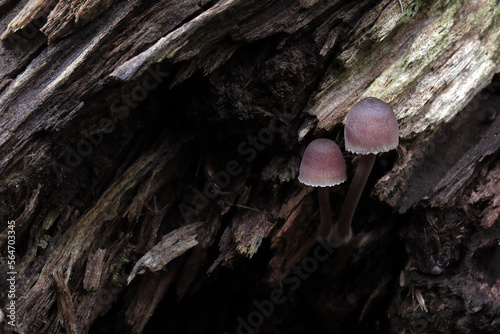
323	164
371	127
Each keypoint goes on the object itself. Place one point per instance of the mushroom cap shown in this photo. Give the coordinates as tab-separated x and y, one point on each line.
371	127
322	164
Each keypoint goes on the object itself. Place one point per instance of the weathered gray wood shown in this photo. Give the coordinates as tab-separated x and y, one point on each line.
195	114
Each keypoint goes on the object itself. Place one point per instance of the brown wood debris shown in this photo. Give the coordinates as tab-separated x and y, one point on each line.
170	247
114	114
94	269
65	302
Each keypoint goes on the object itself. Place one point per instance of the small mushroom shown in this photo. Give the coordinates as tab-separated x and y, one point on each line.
323	166
370	128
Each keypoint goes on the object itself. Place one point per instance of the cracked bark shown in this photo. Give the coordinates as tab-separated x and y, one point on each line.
159	143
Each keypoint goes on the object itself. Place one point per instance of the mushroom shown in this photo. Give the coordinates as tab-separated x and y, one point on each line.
370	128
323	166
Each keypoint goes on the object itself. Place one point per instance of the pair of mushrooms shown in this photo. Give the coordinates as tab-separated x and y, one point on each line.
370	128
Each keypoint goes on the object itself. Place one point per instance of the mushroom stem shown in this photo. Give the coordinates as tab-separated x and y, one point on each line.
325	212
343	227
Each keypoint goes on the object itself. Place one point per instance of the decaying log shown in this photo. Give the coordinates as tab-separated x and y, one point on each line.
149	153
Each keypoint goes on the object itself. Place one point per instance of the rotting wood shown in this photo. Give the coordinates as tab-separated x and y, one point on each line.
65	302
297	65
170	247
92	278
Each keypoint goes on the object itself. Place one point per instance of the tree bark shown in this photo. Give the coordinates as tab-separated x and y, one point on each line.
149	153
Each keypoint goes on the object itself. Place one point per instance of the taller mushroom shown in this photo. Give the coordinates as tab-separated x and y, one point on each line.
370	128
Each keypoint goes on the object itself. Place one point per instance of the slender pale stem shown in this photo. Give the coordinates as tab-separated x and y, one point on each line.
353	194
325	212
